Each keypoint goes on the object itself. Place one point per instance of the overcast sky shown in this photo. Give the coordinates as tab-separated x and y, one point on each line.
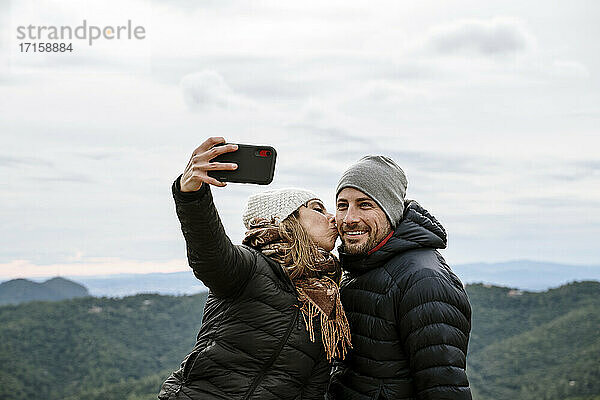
492	109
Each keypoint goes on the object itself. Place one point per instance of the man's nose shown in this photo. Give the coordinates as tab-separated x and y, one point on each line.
351	217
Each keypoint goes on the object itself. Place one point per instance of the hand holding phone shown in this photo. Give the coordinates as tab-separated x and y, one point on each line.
196	171
216	162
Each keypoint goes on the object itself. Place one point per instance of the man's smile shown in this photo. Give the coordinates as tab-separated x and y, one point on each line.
354	233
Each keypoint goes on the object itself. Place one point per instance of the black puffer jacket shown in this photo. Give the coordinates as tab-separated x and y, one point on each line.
252	343
410	319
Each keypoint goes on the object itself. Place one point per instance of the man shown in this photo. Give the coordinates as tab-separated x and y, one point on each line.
409	314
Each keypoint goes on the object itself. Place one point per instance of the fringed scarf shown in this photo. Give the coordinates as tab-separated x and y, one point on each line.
318	292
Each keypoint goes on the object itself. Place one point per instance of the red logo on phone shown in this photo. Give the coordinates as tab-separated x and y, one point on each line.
264	153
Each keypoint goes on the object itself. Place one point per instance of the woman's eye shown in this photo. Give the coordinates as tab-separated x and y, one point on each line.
319	210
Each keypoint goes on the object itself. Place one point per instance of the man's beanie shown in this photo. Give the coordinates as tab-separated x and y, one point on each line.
381	179
275	204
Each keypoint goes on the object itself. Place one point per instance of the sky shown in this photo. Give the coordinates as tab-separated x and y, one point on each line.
491	108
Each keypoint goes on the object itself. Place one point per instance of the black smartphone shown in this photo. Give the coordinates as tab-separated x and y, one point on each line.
256	164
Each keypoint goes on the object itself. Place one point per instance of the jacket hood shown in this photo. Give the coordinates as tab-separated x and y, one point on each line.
417	229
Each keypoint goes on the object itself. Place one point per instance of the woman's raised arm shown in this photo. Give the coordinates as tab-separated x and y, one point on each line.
223	267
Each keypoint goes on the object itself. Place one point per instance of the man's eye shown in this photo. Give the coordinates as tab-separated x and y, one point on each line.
365	204
342	206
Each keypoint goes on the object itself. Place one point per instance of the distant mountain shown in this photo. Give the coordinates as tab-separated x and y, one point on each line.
524	345
176	283
521	274
23	290
525	274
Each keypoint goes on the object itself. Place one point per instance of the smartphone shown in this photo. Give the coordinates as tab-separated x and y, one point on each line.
256	164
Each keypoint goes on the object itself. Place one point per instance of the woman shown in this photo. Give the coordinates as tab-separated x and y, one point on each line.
273	319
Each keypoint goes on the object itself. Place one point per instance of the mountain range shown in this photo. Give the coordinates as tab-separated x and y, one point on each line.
526	274
523	274
524	345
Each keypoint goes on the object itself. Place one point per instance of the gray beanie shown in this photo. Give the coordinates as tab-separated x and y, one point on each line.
381	179
277	204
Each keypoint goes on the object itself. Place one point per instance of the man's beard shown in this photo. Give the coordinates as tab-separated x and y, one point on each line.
364	248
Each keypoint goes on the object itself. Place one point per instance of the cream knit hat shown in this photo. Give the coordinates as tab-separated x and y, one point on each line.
277	204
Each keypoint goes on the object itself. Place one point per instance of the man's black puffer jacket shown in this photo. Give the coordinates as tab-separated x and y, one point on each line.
252	343
410	319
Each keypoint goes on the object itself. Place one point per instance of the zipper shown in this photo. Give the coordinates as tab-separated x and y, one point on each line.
274	356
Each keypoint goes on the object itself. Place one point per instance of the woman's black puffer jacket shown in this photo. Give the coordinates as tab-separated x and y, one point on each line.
253	343
409	316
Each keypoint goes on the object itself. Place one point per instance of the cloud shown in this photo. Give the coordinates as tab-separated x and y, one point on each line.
5	78
447	163
561	203
423	161
37	166
208	89
486	37
473	131
591	165
575	171
320	121
328	134
569	69
10	161
74	178
190	5
98	155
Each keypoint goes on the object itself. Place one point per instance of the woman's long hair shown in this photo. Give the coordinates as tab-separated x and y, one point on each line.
303	255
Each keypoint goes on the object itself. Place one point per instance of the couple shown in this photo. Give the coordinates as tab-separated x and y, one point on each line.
275	324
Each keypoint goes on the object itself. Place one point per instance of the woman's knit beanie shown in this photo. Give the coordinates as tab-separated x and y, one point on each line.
275	204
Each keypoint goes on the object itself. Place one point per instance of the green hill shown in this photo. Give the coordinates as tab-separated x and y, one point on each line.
54	350
500	312
23	290
543	346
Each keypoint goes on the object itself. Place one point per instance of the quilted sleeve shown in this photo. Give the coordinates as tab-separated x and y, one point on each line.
434	321
223	267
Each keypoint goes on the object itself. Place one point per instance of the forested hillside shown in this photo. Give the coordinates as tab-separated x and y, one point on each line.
543	346
52	350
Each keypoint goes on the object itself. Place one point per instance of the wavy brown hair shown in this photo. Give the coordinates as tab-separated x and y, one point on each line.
303	255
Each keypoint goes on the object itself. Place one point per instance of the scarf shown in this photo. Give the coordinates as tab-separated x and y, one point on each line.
318	292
